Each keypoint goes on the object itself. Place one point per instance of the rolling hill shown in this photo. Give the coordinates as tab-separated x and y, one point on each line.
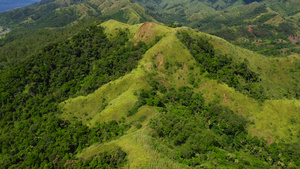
124	84
265	26
155	99
269	27
62	12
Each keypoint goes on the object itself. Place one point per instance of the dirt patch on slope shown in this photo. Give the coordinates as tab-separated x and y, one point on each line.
294	39
160	59
226	100
185	68
145	31
270	140
239	111
203	86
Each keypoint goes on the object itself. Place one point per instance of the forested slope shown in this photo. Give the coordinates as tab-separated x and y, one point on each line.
31	133
146	95
269	27
59	13
184	96
76	92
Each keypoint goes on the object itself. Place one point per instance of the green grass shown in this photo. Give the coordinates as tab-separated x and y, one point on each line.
109	102
274	120
131	13
279	75
278	120
170	63
112	100
137	145
139	152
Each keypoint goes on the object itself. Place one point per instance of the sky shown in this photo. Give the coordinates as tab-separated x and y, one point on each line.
11	4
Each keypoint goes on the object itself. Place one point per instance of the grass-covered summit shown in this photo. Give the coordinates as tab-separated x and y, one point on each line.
149	96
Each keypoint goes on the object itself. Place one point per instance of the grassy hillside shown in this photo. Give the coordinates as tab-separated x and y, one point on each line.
60	13
152	96
49	21
76	92
165	65
265	27
269	27
44	80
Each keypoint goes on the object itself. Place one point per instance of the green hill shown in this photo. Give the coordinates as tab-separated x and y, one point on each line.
36	26
59	13
269	27
105	84
149	96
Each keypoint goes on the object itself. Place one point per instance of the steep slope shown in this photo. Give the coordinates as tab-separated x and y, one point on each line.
61	70
37	25
265	27
114	95
146	95
165	65
269	27
59	13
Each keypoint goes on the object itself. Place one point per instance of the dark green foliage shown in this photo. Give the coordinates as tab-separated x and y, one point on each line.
39	141
118	16
147	97
199	134
287	28
171	25
26	42
40	16
216	22
262	19
112	159
142	118
226	33
31	134
250	1
223	68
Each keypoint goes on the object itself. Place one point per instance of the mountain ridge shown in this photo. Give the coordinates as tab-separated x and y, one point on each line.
210	88
82	93
274	23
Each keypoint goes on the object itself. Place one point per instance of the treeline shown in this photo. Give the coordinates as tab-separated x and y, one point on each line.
31	134
223	68
209	135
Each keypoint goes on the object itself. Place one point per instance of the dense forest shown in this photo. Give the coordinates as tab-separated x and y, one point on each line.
201	134
169	96
222	68
31	133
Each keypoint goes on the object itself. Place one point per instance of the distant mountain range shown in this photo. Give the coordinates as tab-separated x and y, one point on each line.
275	20
6	5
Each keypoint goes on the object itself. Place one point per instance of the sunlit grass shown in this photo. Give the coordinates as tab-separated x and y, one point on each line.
273	120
